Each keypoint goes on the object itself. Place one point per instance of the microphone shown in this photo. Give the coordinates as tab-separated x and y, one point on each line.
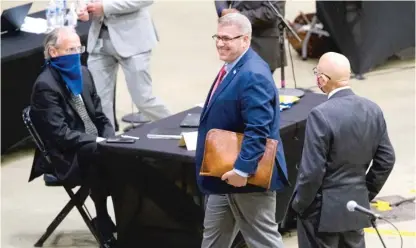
353	206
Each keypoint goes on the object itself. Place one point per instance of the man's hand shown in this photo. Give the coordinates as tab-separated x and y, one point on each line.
228	11
95	8
83	15
234	179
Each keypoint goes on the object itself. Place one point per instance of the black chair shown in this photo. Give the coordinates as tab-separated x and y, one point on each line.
76	199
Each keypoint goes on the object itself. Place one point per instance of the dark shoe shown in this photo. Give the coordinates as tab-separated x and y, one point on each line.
104	231
110	243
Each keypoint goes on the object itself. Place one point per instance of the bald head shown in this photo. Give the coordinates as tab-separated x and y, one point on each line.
332	72
59	40
336	66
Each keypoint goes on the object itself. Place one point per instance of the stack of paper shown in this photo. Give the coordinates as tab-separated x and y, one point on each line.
34	25
286	102
189	140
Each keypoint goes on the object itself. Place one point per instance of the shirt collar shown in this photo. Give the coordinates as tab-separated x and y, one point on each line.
229	66
338	89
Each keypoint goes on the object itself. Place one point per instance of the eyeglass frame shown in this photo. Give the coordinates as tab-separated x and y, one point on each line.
218	38
318	73
78	50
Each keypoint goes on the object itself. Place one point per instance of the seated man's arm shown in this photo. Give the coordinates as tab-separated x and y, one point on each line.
258	108
103	124
114	7
48	118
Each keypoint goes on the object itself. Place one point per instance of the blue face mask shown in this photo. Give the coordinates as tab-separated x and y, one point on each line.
69	66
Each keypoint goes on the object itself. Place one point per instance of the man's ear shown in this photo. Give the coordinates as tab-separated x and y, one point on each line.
53	52
322	81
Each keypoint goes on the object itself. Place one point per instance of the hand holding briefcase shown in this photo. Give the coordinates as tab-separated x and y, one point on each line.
222	149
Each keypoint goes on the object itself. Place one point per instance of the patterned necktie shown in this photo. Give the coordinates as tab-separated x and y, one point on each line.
220	77
82	112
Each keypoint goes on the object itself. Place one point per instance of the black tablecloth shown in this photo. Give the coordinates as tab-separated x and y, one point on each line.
151	168
22	59
170	149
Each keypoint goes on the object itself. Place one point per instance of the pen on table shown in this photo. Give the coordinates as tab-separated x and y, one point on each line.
129	137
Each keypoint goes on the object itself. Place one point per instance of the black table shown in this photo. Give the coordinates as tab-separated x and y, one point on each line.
153	180
22	59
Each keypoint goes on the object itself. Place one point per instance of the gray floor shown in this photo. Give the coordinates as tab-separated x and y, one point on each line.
183	67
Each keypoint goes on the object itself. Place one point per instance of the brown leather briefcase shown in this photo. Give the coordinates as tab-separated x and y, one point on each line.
222	149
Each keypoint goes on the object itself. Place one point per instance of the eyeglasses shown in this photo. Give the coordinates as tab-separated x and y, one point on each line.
225	39
74	50
317	73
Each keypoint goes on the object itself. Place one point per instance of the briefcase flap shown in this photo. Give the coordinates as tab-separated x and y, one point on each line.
222	149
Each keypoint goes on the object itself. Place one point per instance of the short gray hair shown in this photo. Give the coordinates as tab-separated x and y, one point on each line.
238	20
52	39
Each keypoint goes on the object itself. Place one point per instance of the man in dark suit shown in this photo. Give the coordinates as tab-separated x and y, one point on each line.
343	137
243	99
264	21
67	114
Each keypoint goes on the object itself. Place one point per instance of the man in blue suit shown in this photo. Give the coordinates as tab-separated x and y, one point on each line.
243	99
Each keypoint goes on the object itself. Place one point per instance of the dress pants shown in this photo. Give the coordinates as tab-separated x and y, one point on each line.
103	64
309	237
92	171
254	214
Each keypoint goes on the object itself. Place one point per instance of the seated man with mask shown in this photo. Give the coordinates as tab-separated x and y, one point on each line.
66	111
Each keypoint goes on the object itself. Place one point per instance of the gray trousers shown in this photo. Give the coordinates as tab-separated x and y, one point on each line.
254	214
103	63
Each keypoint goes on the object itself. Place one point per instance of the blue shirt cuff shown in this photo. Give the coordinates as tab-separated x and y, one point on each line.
241	173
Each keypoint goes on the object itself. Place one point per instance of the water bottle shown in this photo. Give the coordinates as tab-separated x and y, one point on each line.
64	11
60	13
72	17
51	16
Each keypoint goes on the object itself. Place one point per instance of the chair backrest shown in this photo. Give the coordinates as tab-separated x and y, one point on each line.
35	135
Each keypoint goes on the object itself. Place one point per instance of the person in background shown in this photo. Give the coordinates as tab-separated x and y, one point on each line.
243	99
66	111
343	137
264	21
122	33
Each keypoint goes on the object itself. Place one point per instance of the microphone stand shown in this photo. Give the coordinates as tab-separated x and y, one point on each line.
373	223
282	25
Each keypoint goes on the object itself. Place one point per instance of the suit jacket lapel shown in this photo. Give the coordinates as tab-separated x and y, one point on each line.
225	82
207	98
86	96
85	93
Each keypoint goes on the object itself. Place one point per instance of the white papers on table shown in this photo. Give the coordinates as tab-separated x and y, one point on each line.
165	133
189	140
34	25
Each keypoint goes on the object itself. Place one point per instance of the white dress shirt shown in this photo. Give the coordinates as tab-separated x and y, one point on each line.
338	89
